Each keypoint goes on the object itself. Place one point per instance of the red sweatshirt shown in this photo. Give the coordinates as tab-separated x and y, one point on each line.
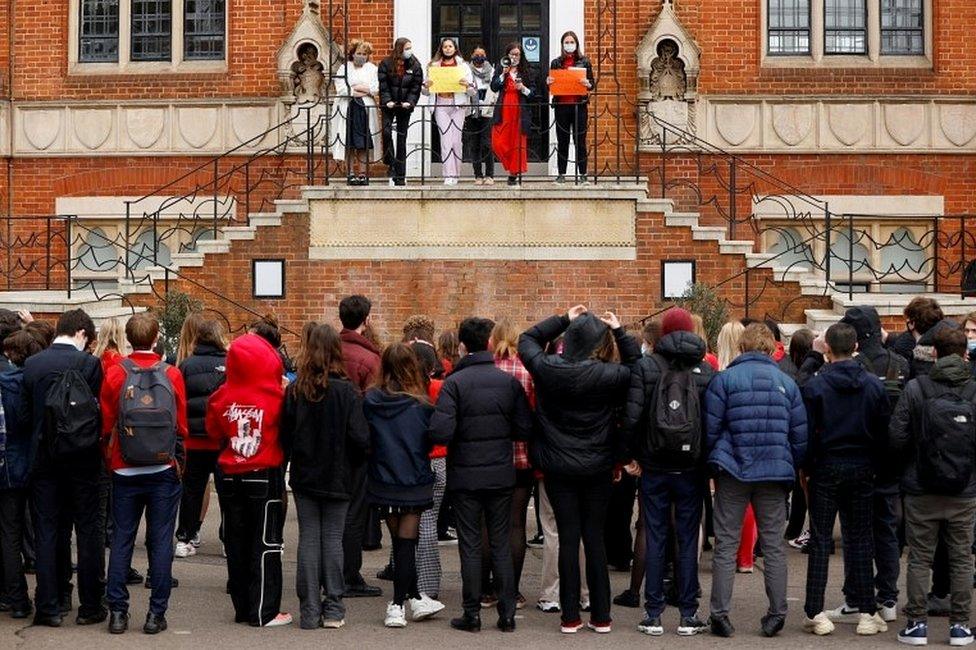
112	392
245	412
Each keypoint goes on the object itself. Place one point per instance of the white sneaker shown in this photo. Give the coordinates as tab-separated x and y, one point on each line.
195	542
391	183
888	611
280	620
820	624
333	624
424	607
869	624
844	614
395	616
548	606
185	549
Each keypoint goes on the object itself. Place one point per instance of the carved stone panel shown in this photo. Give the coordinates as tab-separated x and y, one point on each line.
904	123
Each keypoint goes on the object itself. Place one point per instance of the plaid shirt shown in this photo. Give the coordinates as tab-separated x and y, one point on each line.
513	366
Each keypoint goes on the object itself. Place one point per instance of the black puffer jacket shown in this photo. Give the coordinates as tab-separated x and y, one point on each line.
480	411
923	356
324	440
203	373
394	88
681	351
577	397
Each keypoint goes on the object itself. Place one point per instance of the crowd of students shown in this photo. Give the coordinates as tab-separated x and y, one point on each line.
877	429
489	115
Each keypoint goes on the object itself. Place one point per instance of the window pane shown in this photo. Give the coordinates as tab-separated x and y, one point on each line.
99	37
531	17
471	19
152	29
789	27
902	24
508	17
203	29
845	27
450	18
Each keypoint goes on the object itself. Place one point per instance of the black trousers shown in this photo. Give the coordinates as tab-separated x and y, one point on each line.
477	146
13	589
397	119
571	120
494	507
199	466
798	511
253	509
579	504
69	493
352	537
618	536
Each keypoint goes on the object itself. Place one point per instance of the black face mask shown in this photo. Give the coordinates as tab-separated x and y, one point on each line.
478	59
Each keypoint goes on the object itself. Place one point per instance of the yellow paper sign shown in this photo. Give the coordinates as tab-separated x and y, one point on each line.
446	79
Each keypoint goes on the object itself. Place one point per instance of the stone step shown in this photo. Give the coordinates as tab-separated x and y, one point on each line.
239	232
708	233
56	301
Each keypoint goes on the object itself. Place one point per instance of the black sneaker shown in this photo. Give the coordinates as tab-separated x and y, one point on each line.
721	626
560	179
771	625
538	541
133	577
118	622
651	626
362	591
690	626
627	598
94	619
466	623
513	181
154	624
174	583
386	573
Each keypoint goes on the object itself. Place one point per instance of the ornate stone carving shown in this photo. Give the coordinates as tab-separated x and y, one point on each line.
307	74
248	122
958	123
326	57
904	122
735	122
42	128
849	122
792	122
668	78
145	126
198	126
93	127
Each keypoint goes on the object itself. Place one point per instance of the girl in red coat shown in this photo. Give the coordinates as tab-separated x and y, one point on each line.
245	412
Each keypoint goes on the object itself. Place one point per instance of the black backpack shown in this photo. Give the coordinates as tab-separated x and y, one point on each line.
675	426
72	418
946	445
146	424
894	383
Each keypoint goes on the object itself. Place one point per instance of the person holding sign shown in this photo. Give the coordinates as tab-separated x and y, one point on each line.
512	119
449	78
570	82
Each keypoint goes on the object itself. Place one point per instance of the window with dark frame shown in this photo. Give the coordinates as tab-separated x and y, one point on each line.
845	27
98	40
152	30
204	29
788	28
902	27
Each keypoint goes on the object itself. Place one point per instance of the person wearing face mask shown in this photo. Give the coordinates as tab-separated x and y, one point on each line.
512	118
450	109
400	79
969	327
354	136
477	125
570	111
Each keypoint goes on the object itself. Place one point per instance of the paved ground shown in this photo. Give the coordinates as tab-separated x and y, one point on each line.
201	615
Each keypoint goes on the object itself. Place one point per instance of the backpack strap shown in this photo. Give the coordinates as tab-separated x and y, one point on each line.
927	386
969	392
662	363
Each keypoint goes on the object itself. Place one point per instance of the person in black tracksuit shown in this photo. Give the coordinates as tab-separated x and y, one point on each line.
575	443
571	111
400	76
480	411
203	372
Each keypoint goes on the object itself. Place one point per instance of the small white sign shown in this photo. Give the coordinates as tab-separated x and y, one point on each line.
677	278
269	278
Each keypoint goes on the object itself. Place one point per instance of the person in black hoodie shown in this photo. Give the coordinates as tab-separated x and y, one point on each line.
400	76
203	373
576	445
847	420
480	411
324	434
669	477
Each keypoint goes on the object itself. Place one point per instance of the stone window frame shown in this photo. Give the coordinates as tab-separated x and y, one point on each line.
872	59
124	65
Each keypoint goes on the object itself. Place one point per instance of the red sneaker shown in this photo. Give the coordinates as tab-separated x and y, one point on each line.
572	627
599	628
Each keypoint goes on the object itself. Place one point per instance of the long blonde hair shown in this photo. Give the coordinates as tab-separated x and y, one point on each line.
728	343
188	336
504	339
111	336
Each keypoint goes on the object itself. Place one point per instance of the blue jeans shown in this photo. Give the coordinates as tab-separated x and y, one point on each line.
159	495
660	491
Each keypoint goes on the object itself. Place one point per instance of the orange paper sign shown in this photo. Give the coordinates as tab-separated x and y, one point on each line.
567	82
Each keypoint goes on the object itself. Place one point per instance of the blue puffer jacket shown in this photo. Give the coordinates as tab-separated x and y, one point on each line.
756	421
16	446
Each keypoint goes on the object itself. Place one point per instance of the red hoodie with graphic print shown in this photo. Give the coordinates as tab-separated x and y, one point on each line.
245	412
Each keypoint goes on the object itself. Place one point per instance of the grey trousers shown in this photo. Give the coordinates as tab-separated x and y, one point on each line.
320	527
769	504
923	516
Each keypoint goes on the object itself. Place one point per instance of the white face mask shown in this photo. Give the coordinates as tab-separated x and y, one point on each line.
569	48
407	55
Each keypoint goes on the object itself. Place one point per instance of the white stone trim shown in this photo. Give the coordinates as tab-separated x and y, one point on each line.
872	59
176	64
543	253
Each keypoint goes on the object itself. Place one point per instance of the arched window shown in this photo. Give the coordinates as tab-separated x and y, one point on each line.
141	255
97	252
791	250
844	260
902	255
200	234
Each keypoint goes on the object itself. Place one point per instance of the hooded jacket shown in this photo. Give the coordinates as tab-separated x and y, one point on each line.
480	411
951	373
682	351
923	356
847	416
245	412
16	442
577	398
398	469
361	358
325	440
756	422
203	373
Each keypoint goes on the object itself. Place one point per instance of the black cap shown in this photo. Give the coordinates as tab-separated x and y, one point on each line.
866	323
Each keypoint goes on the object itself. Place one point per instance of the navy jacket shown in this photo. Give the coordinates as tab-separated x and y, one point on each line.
578	398
40	372
525	101
16	446
480	411
756	421
398	469
847	416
